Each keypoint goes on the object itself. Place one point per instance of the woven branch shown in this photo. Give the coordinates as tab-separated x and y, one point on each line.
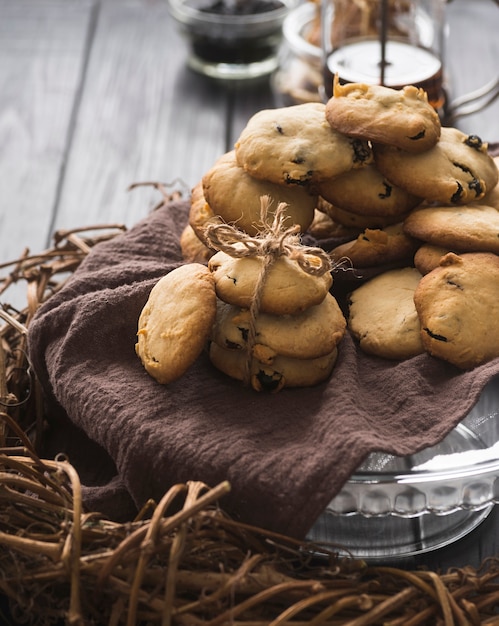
186	564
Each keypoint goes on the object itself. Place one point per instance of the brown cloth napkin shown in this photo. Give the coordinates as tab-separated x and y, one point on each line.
285	455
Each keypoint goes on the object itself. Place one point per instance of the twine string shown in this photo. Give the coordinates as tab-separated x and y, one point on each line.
253	314
273	241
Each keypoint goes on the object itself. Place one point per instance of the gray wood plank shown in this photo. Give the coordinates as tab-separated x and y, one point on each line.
247	100
143	117
472	59
42	52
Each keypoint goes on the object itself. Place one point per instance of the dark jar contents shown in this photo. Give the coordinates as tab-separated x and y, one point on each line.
239	7
236	44
245	50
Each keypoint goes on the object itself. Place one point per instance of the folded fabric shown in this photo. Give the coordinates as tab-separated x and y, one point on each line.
285	455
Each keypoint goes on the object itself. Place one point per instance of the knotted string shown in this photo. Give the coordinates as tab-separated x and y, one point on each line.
272	241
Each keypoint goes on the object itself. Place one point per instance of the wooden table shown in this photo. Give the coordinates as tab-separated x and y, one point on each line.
95	95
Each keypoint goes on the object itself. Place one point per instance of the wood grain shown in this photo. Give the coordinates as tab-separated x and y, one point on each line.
472	54
143	117
42	56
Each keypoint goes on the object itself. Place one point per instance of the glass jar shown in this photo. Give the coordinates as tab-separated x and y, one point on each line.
231	39
385	42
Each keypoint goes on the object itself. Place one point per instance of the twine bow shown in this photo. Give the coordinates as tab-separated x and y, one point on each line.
273	241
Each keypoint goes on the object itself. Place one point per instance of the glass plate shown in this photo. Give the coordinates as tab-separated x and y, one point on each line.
401	506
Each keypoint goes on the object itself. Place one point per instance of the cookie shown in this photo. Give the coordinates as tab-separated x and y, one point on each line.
354	220
427	257
470	228
458	305
235	196
283	372
457	170
200	213
296	146
377	246
193	249
308	335
287	290
366	191
176	322
402	118
382	315
491	198
324	227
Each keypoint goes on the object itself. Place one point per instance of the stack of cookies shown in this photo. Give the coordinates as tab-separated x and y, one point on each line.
262	306
401	197
445	236
277	324
283	154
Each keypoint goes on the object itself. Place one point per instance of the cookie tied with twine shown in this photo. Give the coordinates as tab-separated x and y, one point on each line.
273	241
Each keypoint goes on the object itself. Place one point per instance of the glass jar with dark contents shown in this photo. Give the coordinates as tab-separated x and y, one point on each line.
232	39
